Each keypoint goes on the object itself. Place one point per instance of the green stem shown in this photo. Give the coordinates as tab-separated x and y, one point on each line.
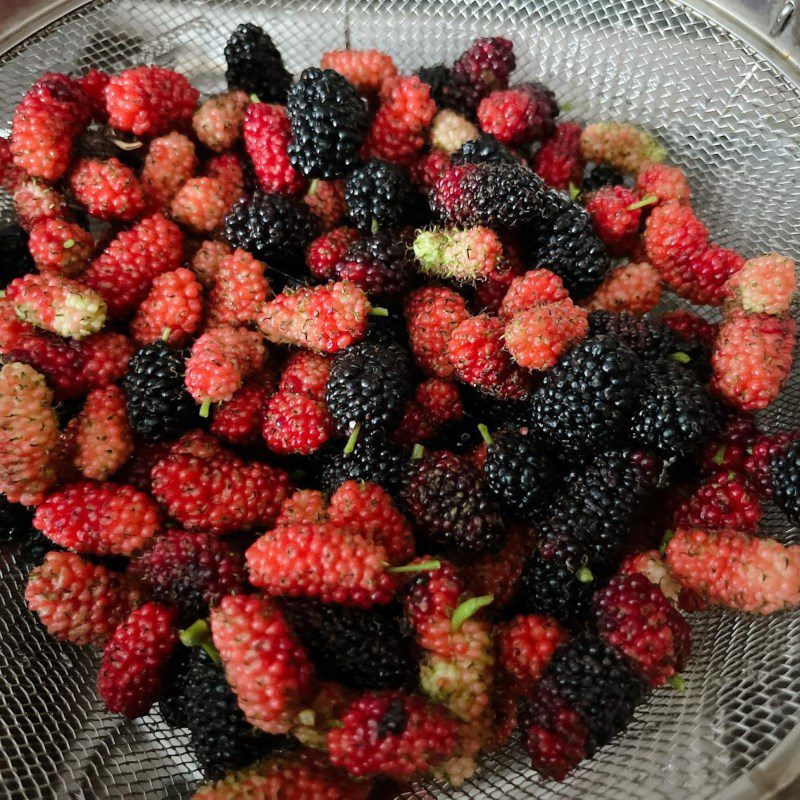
681	358
485	435
351	442
677	682
165	334
584	575
205	407
719	456
379	311
468	608
417	452
421	566
374	227
198	634
69	243
254	98
574	191
665	541
647	200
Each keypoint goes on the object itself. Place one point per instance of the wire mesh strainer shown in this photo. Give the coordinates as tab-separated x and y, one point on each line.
727	115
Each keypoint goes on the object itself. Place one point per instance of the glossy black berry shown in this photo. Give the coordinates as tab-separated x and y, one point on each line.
368	386
518	474
273	228
362	649
373	458
599	176
158	405
255	65
329	122
450	506
597	681
569	246
379	195
483	150
675	414
585	401
785	475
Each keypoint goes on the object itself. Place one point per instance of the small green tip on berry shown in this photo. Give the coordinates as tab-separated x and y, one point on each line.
485	435
379	311
352	439
312	189
417	452
574	191
719	456
254	98
422	566
205	407
665	541
165	334
647	200
468	608
677	682
681	358
307	717
69	243
584	575
374	227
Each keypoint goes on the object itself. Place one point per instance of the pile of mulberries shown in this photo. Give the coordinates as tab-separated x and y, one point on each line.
360	441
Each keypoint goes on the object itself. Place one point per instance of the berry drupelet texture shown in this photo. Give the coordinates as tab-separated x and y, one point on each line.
496	195
367	386
362	649
158	405
634	616
321	561
264	663
675	413
392	734
218	493
380	194
219	735
784	469
733	569
26	415
569	246
98	518
78	601
191	571
134	664
554	734
272	228
381	264
329	122
450	506
519	475
374	458
325	318
255	65
597	681
583	401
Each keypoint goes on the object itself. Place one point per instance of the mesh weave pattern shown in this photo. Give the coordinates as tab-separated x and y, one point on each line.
727	116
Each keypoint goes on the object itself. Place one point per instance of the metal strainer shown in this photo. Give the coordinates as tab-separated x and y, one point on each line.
729	114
